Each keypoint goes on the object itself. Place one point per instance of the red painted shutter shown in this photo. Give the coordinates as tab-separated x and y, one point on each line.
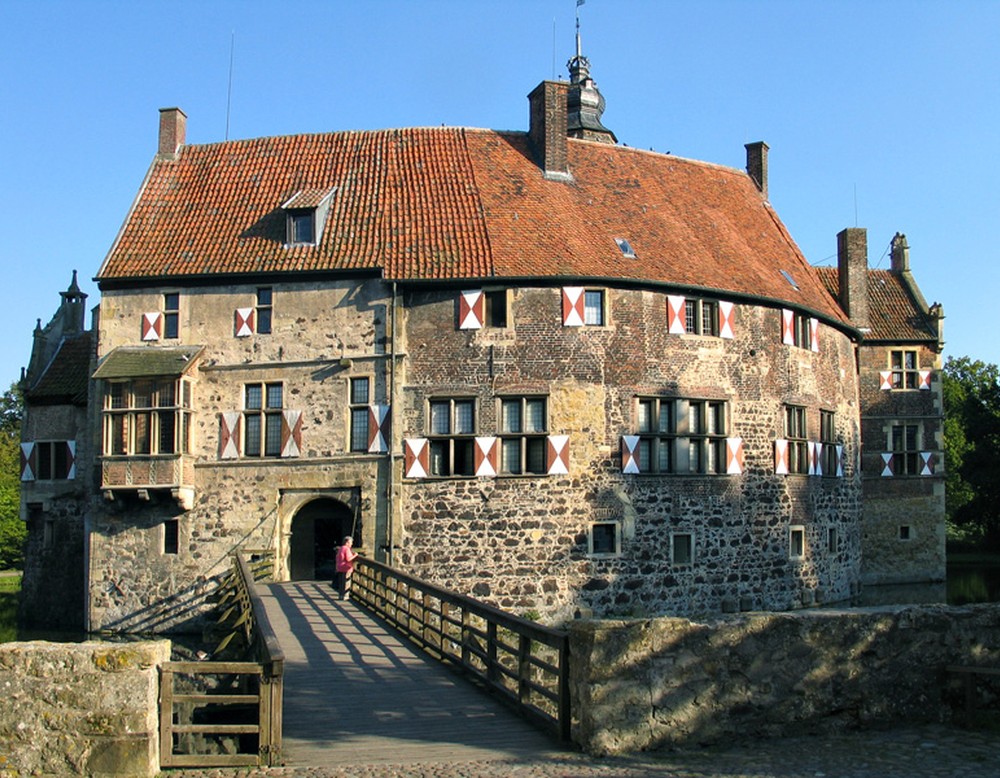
734	456
887	465
245	322
814	334
70	460
727	320
630	460
152	326
557	455
229	434
378	429
885	380
291	433
781	456
675	315
925	379
927	462
471	310
416	457
788	327
28	462
840	461
572	306
486	456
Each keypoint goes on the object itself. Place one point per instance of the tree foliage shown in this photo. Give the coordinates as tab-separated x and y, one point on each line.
12	530
971	390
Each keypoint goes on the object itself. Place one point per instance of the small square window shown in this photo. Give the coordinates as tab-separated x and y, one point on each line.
833	540
496	308
605	538
905	532
682	548
797	542
300	227
171	536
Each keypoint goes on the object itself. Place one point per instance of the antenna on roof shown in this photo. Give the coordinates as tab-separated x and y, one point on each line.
579	50
229	91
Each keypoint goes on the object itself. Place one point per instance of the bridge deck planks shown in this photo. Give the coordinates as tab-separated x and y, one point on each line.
358	693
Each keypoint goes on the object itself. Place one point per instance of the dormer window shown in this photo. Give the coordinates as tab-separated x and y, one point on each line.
305	216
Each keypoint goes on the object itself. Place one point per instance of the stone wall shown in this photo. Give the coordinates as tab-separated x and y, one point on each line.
640	685
80	709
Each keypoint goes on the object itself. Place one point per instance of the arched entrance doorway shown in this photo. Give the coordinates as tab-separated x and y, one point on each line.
317	529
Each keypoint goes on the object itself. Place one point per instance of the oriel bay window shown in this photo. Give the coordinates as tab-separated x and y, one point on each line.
523	426
146	416
451	438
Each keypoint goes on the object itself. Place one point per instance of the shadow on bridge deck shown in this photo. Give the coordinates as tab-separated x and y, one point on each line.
356	692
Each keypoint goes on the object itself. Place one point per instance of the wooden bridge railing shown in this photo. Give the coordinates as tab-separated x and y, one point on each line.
525	662
204	703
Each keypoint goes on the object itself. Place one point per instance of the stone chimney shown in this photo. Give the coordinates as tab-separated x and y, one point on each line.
900	254
757	164
547	128
852	264
173	131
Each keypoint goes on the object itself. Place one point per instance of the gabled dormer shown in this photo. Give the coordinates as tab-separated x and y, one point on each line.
305	216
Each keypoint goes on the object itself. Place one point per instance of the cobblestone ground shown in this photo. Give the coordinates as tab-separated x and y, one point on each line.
924	752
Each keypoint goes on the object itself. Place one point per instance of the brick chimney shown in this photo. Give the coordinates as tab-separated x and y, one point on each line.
900	254
757	164
547	128
173	131
852	266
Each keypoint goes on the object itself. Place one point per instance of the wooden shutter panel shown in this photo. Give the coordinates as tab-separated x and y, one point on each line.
927	462
675	315
70	460
814	334
245	322
815	450
630	460
416	457
378	429
727	320
885	380
925	379
840	461
471	310
557	455
781	456
230	424
887	465
486	456
572	306
152	326
734	456
291	433
28	462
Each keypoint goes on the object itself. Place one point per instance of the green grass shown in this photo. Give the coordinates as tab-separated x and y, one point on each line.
10	586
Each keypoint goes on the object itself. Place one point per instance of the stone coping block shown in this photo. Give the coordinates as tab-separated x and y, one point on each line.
80	708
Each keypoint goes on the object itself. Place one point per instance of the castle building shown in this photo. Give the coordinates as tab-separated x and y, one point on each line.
561	375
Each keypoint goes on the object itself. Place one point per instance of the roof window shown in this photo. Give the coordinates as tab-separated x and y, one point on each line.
626	248
789	279
305	216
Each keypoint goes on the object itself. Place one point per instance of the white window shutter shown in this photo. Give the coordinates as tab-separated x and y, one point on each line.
925	379
887	465
734	456
471	310
927	462
416	457
486	456
814	334
28	462
815	457
676	319
787	327
557	455
572	306
727	320
291	433
230	424
840	461
152	326
885	380
630	459
378	429
245	325
781	456
70	459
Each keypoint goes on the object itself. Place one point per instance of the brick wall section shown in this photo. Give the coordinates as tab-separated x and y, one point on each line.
521	542
640	685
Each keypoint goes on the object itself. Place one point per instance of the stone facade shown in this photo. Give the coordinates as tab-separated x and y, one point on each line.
80	709
663	682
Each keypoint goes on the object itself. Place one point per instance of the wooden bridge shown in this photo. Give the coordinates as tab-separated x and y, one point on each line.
356	692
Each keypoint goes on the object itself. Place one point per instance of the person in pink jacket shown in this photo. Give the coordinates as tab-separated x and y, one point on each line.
345	566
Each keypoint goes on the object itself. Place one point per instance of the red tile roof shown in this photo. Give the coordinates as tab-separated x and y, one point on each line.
894	313
66	378
451	204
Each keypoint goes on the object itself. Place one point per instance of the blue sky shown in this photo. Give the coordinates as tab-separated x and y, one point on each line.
880	114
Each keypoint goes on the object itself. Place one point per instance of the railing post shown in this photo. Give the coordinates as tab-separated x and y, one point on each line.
523	669
491	652
565	712
166	716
